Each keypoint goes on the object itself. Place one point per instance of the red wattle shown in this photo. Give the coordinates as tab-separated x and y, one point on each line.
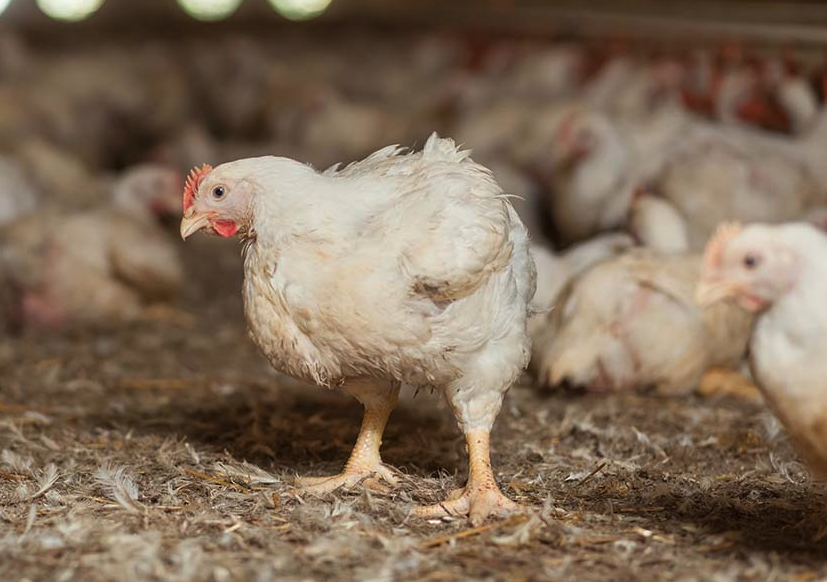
225	228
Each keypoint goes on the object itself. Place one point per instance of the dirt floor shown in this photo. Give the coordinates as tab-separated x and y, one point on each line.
166	451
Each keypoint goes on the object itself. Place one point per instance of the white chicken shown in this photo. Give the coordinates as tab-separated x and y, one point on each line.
92	266
714	177
401	268
611	328
779	273
596	164
524	193
794	94
554	270
587	175
18	196
60	176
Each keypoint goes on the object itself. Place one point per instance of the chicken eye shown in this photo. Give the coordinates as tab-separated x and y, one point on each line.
219	192
751	261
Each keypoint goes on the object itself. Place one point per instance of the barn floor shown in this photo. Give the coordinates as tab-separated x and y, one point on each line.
166	450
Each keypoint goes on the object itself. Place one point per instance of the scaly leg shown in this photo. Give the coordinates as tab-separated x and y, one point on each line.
481	497
365	462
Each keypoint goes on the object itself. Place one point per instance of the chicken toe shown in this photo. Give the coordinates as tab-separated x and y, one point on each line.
378	477
481	498
364	467
478	504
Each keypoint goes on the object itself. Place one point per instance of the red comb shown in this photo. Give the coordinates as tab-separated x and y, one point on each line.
194	180
714	252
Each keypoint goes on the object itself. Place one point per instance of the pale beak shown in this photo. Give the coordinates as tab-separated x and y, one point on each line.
192	224
708	293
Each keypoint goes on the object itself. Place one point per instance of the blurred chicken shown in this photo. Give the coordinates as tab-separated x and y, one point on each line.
779	273
544	73
793	94
555	270
323	123
587	175
631	323
92	105
494	130
190	144
63	178
96	266
343	288
652	89
595	164
231	85
18	196
658	224
634	136
713	178
524	193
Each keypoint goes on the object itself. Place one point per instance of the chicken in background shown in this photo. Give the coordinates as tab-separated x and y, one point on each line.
190	144
593	163
544	73
601	91
652	87
732	88
789	97
97	266
338	126
432	60
231	79
63	178
586	174
495	130
738	99
523	192
712	179
143	192
630	323
717	174
779	274
90	105
343	289
18	196
555	270
657	224
806	150
638	136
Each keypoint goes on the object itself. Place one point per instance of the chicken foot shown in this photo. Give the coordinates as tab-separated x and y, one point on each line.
481	497
365	463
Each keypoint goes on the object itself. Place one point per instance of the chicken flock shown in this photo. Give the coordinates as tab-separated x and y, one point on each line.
414	267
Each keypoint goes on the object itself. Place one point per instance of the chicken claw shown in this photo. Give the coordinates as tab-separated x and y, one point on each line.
365	463
481	498
376	478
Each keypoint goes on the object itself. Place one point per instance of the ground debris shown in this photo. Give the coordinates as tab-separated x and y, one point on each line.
172	460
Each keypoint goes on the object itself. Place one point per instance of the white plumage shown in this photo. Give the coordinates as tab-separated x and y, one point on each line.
401	268
779	272
18	196
100	265
631	323
555	270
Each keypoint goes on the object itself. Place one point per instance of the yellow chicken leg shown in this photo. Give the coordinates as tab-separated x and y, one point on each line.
365	463
481	497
